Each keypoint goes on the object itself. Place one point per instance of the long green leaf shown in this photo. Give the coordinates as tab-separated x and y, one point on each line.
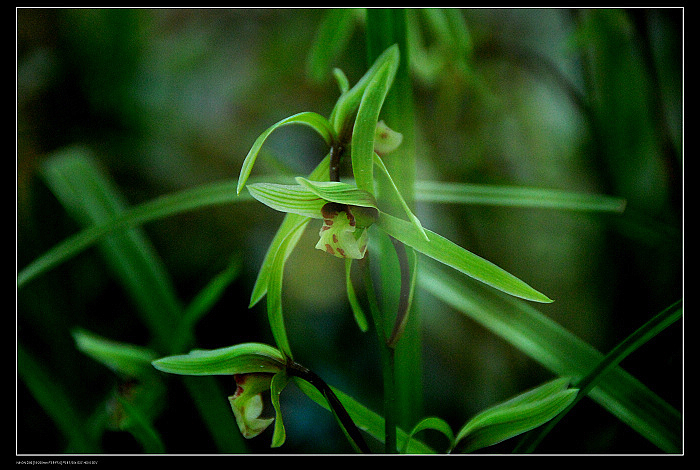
638	338
289	223
274	289
450	254
349	102
500	423
242	358
362	148
158	208
128	359
90	197
317	122
512	196
559	351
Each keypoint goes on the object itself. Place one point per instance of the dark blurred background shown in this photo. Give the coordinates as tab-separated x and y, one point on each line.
579	100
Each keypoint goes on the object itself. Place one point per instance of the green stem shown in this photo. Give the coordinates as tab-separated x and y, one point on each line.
297	370
386	27
388	359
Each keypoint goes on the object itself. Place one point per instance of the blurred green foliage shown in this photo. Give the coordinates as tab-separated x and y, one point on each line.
578	100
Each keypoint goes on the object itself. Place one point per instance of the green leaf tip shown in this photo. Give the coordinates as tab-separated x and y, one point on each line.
456	257
516	416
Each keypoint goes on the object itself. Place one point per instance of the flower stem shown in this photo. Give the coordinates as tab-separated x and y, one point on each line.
297	370
388	360
386	27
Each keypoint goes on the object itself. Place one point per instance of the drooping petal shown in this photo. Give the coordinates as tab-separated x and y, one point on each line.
247	403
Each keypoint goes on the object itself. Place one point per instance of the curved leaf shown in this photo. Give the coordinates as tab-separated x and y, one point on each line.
274	287
342	193
288	224
362	146
128	359
357	310
409	213
242	358
279	381
561	352
512	418
317	122
434	423
288	198
349	102
638	338
450	254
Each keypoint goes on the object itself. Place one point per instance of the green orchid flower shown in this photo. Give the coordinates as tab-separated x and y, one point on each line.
354	128
256	368
261	372
340	234
248	404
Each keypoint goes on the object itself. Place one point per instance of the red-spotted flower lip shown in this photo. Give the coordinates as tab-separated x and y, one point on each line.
340	236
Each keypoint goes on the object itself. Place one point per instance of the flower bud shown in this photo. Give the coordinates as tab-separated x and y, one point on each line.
386	140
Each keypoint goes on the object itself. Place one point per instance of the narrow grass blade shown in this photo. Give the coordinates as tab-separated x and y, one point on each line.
332	35
204	301
161	207
52	398
141	428
559	351
450	254
637	339
512	196
90	197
